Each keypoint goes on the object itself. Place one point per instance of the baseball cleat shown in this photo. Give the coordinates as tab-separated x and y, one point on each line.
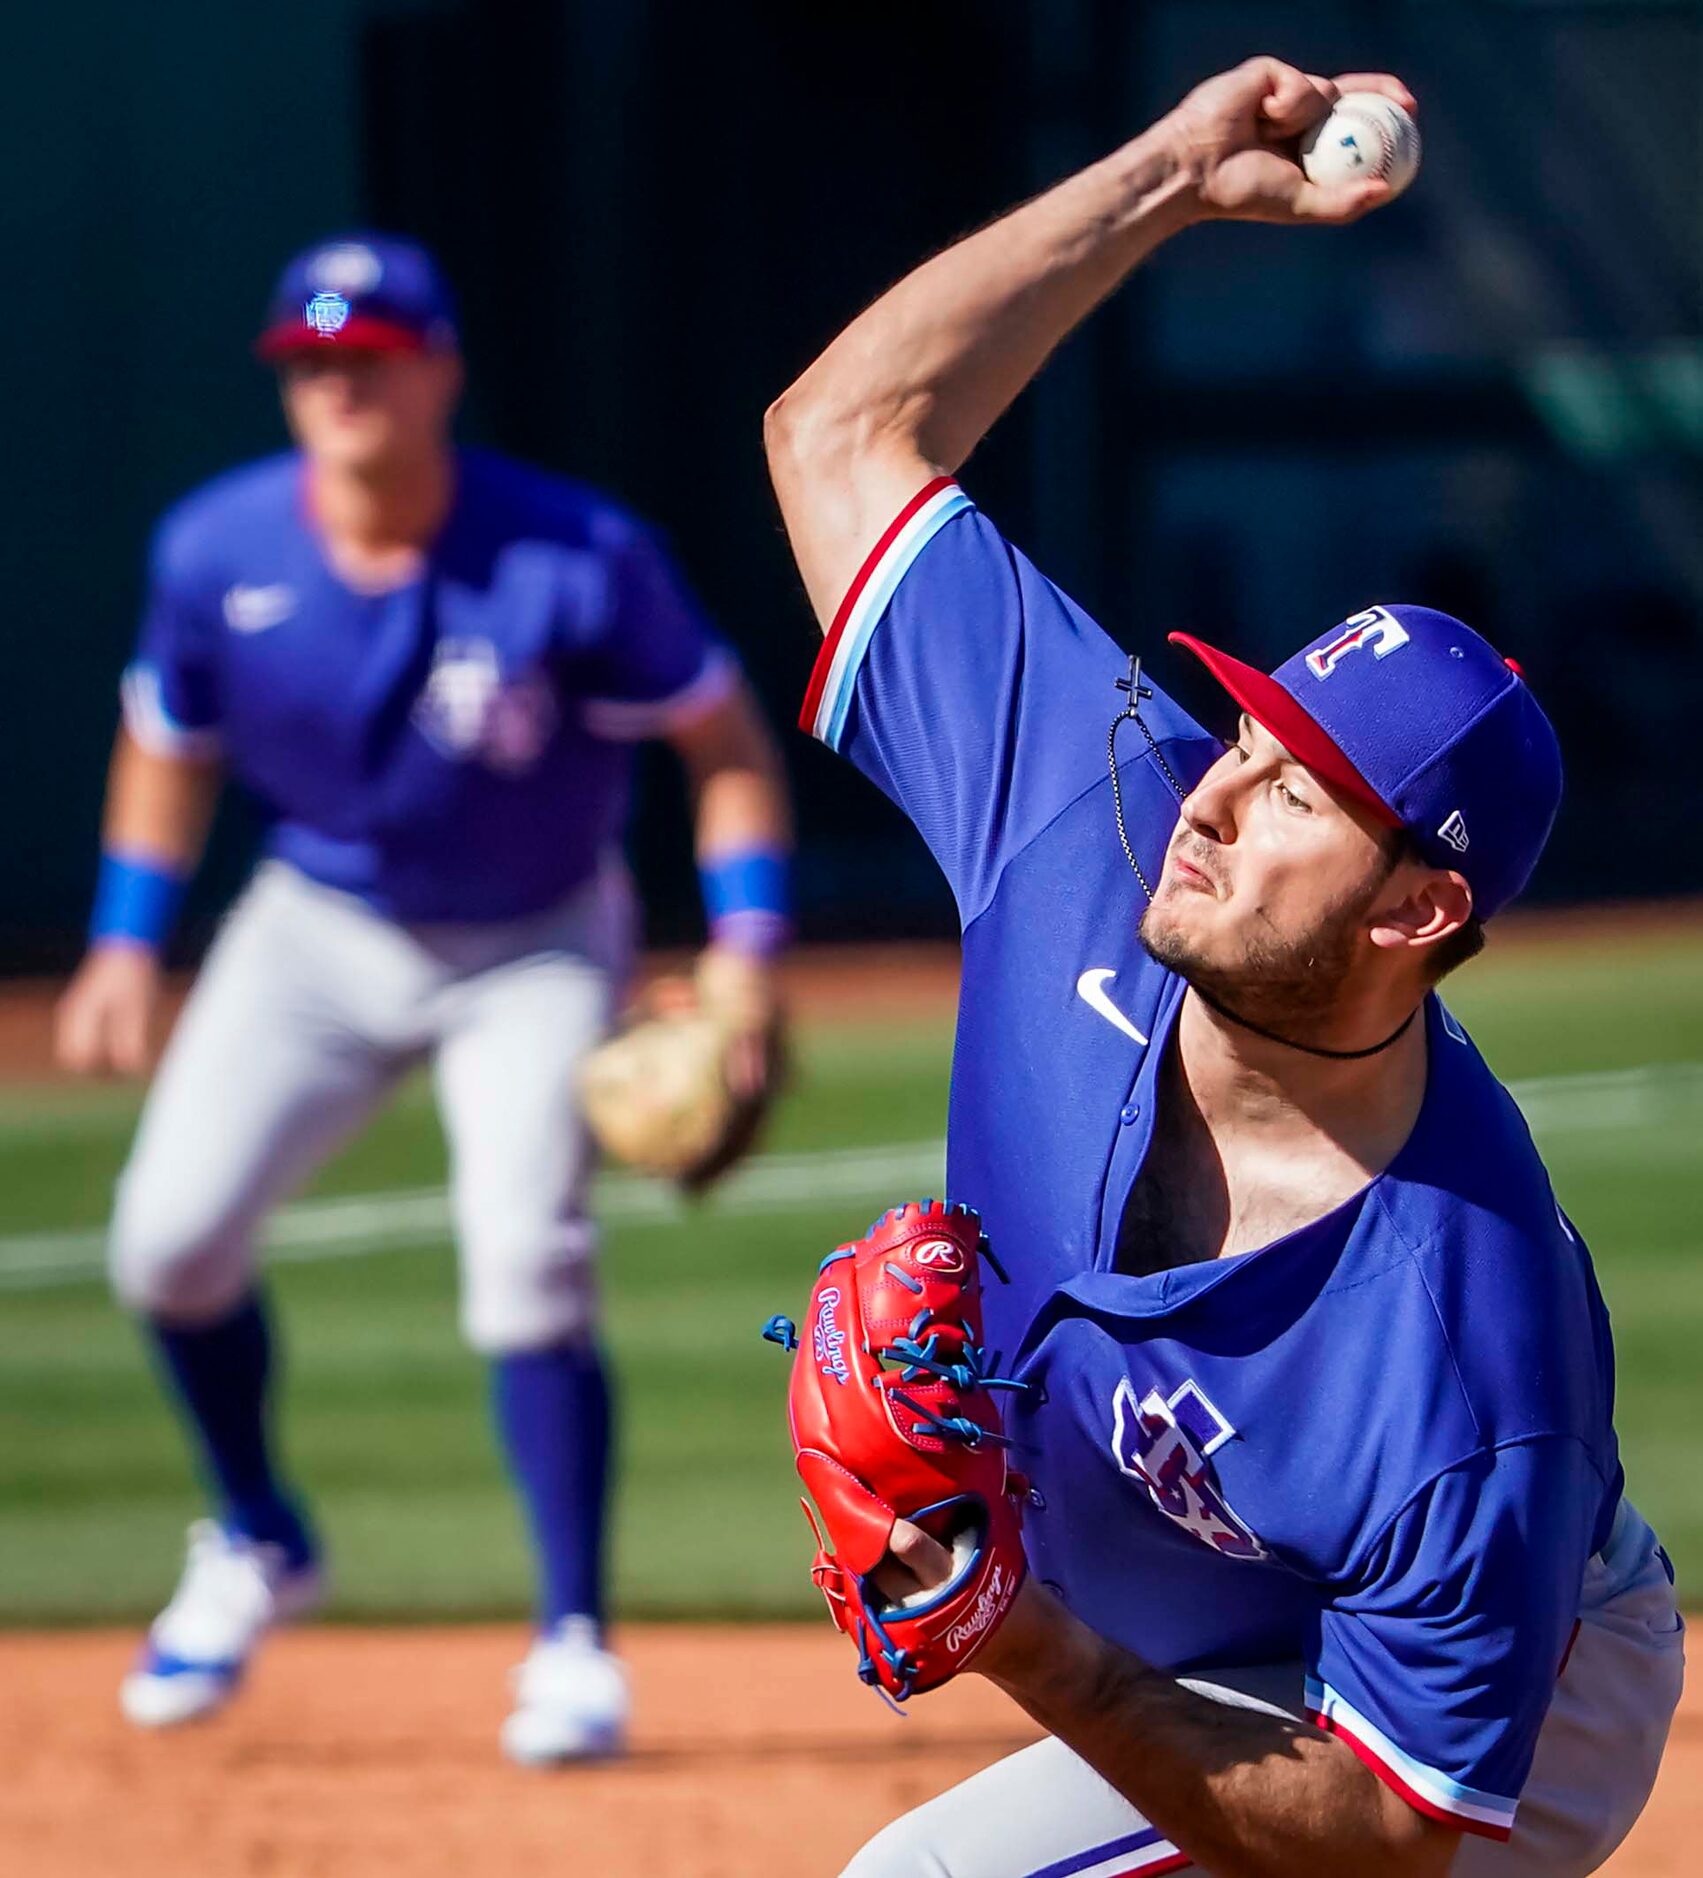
231	1593
571	1700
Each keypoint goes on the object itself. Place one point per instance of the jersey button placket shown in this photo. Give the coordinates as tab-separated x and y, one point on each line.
1125	1151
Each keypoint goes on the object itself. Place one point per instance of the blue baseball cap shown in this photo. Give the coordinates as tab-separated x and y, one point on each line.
1410	713
374	293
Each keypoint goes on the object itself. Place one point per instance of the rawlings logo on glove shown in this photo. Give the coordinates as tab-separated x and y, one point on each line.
827	1339
893	1413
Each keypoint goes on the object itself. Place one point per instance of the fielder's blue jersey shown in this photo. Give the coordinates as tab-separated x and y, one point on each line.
458	748
1383	1444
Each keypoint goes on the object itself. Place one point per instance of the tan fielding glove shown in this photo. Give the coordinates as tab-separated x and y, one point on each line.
683	1087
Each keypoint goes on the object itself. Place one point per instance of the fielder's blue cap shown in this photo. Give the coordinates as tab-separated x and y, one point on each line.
1410	713
374	293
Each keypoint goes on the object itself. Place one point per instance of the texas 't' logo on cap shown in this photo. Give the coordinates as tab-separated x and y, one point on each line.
1375	628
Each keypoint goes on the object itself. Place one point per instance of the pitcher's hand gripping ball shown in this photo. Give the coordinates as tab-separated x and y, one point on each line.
1366	136
893	1412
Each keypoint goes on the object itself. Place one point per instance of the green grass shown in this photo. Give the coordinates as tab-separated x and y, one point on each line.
385	1417
1632	1184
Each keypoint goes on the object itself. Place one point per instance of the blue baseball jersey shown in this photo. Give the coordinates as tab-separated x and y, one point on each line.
1382	1445
458	748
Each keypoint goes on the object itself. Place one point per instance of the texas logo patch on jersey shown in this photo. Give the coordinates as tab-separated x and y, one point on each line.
1166	1443
469	711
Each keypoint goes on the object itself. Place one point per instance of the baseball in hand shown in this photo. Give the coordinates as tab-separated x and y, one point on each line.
1367	137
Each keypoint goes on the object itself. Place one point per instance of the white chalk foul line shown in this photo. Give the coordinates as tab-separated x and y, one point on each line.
1609	1099
312	1230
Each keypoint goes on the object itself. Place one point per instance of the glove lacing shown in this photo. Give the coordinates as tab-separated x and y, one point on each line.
923	1351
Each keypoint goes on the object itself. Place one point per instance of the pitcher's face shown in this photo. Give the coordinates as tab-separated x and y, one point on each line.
1272	882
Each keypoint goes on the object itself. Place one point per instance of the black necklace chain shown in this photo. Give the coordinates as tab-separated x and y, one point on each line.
1312	1049
1131	714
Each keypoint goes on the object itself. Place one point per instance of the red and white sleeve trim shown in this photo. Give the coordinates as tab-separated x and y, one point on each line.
627	720
1424	1788
827	701
151	725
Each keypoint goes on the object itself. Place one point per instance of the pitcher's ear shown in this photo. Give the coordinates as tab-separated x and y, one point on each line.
1437	903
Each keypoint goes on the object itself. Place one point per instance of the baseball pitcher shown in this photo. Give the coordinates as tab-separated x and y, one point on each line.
1272	1467
431	666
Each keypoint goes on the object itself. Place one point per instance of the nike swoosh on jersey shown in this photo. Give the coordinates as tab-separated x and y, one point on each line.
253	609
1091	989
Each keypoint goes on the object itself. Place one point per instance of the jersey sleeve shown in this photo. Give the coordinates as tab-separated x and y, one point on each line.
979	697
655	663
1437	1666
170	689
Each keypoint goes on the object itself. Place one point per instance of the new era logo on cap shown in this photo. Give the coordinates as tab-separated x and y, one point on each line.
1454	832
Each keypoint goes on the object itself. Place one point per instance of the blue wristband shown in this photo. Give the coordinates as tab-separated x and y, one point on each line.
748	898
135	900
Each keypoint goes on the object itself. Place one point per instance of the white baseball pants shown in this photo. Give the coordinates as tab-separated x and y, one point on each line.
309	1009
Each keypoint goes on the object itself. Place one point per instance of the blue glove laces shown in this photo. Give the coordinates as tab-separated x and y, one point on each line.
927	1350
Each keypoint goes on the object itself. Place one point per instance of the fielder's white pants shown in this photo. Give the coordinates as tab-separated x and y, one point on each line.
1045	1813
309	1009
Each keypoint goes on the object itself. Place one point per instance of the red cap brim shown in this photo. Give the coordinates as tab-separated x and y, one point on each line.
1267	703
360	333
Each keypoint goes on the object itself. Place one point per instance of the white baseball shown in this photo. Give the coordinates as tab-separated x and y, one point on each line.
1366	137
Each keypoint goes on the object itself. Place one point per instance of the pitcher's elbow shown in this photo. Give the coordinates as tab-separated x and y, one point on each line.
797	431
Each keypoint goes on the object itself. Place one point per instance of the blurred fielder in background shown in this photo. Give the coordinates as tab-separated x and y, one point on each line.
431	665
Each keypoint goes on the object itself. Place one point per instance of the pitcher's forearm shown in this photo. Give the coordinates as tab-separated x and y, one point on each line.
935	361
1248	1793
911	386
916	381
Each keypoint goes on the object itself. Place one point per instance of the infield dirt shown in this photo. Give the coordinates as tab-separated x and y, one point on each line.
371	1754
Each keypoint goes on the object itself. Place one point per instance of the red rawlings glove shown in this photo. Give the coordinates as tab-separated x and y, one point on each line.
893	1416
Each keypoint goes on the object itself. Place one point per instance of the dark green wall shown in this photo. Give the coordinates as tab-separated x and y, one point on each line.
156	160
624	195
656	211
